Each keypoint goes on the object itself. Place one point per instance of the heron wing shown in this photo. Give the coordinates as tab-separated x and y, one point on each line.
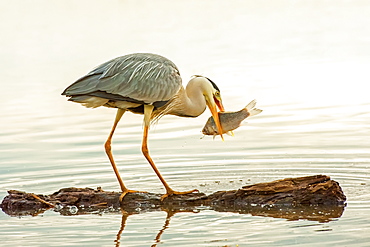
141	77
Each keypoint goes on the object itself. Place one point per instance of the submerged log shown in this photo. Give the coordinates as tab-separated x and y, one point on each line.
310	196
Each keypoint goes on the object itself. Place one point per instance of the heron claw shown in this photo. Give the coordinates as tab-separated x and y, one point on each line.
42	200
172	192
129	191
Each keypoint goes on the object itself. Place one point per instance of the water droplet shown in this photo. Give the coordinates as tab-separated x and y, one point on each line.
73	209
58	207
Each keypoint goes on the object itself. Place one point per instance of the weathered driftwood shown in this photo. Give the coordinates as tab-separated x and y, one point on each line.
313	197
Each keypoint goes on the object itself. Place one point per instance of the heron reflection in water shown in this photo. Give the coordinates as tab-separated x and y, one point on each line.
147	84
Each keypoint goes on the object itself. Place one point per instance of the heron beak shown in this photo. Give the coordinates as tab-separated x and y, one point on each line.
219	104
213	108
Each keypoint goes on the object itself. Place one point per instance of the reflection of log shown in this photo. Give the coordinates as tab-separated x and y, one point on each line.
291	198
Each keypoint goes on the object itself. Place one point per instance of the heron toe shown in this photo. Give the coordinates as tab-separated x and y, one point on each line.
129	191
172	192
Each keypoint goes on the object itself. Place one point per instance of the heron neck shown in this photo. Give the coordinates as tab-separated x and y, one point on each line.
195	101
189	102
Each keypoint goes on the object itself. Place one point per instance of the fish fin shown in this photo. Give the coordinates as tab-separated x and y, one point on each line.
250	107
255	111
230	133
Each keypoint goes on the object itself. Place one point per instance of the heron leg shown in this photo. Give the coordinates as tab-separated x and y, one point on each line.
148	109
108	150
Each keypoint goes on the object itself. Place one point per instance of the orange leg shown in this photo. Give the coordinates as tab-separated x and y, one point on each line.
108	150
148	109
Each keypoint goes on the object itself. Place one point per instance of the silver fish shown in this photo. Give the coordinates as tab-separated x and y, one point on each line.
230	120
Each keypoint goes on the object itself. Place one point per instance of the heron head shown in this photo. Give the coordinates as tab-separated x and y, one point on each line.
213	100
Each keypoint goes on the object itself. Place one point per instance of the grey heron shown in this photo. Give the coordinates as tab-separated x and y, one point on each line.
147	84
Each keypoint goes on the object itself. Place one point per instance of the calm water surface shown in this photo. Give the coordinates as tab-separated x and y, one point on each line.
306	63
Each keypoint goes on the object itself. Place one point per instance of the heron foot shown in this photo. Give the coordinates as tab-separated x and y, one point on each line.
129	191
172	192
42	200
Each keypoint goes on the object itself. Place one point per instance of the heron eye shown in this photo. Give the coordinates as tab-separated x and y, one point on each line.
217	94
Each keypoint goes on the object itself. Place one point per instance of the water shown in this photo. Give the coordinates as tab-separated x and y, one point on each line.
306	63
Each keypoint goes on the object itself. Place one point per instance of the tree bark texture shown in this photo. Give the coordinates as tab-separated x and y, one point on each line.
312	197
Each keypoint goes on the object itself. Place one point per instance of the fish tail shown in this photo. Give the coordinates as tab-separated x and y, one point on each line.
250	107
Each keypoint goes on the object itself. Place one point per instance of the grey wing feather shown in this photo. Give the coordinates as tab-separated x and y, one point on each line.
141	76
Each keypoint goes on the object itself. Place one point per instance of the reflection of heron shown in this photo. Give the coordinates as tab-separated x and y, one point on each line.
157	239
147	84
